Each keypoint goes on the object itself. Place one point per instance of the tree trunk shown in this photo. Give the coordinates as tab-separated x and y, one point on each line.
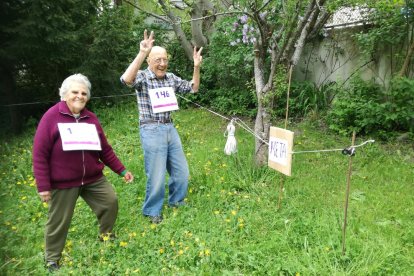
197	25
262	122
404	68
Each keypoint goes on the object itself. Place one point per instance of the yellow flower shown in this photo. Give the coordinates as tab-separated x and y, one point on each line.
153	226
207	252
24	197
45	205
188	153
233	212
123	244
105	238
216	212
161	250
180	252
172	242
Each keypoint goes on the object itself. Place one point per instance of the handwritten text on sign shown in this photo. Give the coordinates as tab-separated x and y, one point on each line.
163	99
79	136
280	150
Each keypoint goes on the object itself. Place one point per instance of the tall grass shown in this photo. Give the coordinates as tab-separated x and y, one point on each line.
231	225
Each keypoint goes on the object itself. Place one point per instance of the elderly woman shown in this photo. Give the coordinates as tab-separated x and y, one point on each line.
69	153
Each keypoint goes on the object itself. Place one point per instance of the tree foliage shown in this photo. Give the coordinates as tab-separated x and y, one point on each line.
43	42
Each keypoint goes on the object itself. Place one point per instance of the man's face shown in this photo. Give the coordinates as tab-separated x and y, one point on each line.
158	62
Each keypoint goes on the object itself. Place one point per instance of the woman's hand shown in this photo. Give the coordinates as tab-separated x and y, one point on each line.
45	196
128	177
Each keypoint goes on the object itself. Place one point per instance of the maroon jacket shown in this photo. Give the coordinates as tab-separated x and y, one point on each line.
58	169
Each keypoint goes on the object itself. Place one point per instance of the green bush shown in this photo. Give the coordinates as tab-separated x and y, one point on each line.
367	108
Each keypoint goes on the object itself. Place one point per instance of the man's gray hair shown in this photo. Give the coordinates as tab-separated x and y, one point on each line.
79	78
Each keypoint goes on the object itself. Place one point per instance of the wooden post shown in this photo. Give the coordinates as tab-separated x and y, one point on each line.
348	185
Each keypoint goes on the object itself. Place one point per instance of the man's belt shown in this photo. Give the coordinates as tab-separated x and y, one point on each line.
160	121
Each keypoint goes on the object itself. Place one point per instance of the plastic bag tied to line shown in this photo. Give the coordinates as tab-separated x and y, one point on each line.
231	144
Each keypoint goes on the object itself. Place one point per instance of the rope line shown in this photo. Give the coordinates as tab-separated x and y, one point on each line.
236	120
328	150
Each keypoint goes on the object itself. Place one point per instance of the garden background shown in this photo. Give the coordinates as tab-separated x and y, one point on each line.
232	224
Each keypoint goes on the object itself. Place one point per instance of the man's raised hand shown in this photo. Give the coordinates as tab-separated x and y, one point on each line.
146	44
197	57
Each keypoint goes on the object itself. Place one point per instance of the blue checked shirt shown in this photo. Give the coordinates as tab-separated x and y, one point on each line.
146	80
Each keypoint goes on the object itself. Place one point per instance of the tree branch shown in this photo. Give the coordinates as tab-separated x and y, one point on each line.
148	13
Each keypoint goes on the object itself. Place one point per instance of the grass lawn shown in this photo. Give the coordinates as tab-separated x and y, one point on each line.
232	225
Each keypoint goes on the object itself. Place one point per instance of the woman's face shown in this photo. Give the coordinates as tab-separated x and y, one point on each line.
77	97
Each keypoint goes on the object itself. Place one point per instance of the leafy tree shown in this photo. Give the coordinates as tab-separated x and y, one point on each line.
43	42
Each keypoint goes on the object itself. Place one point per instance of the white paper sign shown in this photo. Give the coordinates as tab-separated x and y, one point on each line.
280	150
79	136
163	99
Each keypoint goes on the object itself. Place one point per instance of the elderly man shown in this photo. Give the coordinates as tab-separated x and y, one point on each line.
160	141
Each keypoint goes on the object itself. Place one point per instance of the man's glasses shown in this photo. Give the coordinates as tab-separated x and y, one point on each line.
160	60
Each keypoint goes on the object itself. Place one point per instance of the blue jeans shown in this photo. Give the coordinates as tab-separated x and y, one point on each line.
163	153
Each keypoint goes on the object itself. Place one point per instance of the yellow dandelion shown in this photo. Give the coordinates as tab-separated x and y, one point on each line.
161	250
123	244
240	220
180	252
19	183
246	196
297	274
172	242
327	248
233	212
190	191
241	225
216	149
177	126
224	165
143	234
105	238
153	226
188	153
207	252
24	197
228	220
45	204
201	253
216	212
14	228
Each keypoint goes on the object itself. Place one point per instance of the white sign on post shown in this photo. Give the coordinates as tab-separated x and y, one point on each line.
280	150
79	136
163	99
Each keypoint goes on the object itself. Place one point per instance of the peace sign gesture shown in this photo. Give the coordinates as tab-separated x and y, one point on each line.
146	44
197	57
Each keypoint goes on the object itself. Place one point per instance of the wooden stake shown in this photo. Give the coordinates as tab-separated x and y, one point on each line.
282	180
348	185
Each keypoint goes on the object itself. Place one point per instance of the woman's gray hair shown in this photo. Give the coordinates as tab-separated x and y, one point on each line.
79	78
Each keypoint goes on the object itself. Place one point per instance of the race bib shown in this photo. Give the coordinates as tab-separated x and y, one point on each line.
79	136
163	99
